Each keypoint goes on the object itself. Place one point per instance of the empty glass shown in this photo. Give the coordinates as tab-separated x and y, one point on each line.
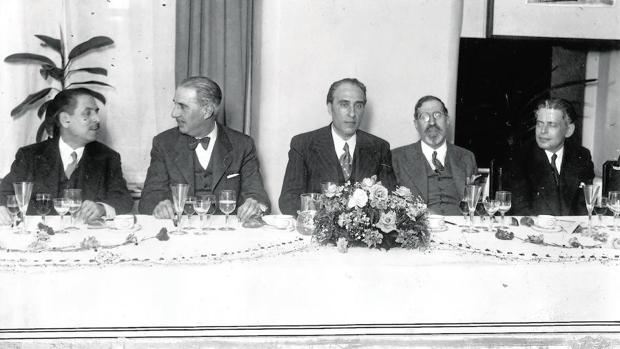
179	196
305	217
13	208
600	208
464	207
189	210
23	191
74	200
202	205
43	204
590	191
472	193
613	203
491	206
61	205
504	199
228	202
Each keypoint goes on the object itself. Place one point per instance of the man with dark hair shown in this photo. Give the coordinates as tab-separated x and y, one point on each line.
432	168
204	154
72	160
546	176
337	153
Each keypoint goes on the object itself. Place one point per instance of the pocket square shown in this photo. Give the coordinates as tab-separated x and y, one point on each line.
232	175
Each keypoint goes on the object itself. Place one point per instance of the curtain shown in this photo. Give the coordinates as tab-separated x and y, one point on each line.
214	39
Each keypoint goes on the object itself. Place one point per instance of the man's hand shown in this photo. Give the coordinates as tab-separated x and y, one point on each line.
5	217
90	211
164	210
249	209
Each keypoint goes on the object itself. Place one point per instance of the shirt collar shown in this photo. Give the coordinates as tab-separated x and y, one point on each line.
427	150
66	150
339	142
212	134
558	160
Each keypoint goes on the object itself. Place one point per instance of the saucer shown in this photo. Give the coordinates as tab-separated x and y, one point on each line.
438	229
554	229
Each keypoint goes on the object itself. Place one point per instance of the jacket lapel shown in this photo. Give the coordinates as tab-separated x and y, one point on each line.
569	176
184	160
363	157
221	156
542	178
48	164
416	161
459	176
325	156
93	171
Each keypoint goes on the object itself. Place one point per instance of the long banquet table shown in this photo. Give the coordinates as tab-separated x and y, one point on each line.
266	286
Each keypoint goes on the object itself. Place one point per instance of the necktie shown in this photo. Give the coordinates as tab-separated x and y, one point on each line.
203	141
556	174
345	162
438	166
72	165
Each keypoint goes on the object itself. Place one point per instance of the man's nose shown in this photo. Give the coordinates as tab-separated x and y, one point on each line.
351	112
431	120
95	118
175	112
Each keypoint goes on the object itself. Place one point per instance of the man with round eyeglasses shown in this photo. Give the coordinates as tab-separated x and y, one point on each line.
431	167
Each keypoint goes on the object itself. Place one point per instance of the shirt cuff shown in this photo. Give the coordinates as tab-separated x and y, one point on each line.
110	212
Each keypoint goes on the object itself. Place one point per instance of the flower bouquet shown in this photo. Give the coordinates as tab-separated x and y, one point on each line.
365	212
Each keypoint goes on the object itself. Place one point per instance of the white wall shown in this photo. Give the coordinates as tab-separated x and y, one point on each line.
140	67
401	50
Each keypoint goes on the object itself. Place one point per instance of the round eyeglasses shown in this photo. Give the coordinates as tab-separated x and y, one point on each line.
426	117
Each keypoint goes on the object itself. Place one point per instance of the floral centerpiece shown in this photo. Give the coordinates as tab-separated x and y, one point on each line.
365	212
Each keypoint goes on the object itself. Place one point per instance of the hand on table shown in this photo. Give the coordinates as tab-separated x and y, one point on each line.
90	211
249	209
164	210
5	217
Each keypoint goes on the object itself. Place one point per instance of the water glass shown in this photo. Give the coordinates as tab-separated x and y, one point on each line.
310	203
227	204
464	207
13	208
472	193
61	205
613	203
202	205
43	204
189	210
23	191
179	196
590	191
505	203
600	208
491	206
74	199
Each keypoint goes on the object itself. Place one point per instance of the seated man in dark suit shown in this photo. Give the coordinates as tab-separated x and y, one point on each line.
336	153
208	156
73	160
432	168
546	176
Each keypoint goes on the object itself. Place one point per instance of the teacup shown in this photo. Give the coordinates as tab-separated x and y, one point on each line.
124	221
436	222
279	221
545	221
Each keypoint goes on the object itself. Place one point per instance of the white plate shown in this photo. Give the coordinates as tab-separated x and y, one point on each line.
280	221
556	228
438	229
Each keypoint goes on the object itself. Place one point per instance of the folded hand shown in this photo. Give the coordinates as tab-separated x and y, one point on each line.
249	209
164	210
90	211
5	217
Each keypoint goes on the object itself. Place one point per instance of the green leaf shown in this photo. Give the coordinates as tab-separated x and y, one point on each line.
27	57
91	82
97	95
31	99
99	71
43	108
91	44
51	42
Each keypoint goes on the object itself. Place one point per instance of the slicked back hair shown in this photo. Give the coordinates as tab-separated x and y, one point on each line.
207	90
561	104
65	100
335	85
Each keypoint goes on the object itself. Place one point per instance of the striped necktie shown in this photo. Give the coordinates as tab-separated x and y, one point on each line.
438	166
345	162
72	165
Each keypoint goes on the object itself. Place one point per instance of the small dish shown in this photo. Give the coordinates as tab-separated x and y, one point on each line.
553	229
438	229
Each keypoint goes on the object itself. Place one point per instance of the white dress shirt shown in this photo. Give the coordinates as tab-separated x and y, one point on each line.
204	155
558	160
339	144
427	150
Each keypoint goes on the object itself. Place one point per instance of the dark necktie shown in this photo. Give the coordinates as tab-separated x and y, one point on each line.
556	174
438	166
72	165
204	142
345	162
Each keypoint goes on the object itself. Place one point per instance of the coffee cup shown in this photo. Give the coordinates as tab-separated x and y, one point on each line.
124	221
279	221
436	222
546	221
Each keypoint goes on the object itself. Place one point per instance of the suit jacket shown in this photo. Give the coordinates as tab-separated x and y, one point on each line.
410	167
101	179
533	187
234	163
312	160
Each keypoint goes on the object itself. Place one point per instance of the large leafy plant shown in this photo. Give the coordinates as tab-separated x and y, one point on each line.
61	73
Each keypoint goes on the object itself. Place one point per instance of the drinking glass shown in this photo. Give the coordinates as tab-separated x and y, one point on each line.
179	196
43	204
472	193
305	217
202	204
600	208
74	200
464	207
480	210
504	199
13	207
61	205
613	203
491	206
189	210
228	202
23	191
590	191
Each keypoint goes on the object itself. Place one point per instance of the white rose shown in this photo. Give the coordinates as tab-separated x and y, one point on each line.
359	199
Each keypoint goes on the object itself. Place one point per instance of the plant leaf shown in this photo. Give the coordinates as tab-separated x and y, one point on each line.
51	42
31	99
54	72
99	71
27	57
43	108
90	82
91	44
44	73
95	94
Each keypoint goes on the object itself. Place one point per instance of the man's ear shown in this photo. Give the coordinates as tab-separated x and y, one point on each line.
329	109
63	118
570	130
209	111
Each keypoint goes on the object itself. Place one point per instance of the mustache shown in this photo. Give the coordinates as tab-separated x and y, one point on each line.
433	127
96	127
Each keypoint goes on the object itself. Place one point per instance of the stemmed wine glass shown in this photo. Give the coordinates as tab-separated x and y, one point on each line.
613	203
464	207
590	191
491	206
189	210
13	207
202	205
472	192
600	208
61	205
505	202
74	200
179	196
228	202
43	204
23	191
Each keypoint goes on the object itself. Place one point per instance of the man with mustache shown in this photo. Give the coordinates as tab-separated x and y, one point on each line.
73	159
339	152
204	154
546	175
432	168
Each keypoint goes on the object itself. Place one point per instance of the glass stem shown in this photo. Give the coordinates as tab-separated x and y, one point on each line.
226	221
